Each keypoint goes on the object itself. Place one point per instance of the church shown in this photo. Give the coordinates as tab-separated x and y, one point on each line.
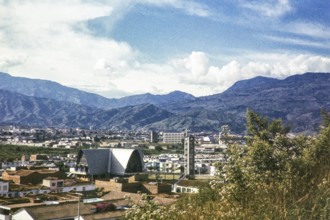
108	162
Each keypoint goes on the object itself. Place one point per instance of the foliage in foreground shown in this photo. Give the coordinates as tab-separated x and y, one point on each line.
273	177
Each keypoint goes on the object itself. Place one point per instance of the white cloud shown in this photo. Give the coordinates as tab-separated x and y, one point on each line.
45	32
277	65
300	42
197	63
269	8
315	30
6	62
49	40
194	8
190	7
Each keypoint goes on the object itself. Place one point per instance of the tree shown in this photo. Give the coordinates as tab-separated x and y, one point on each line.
326	117
261	127
274	173
273	177
158	148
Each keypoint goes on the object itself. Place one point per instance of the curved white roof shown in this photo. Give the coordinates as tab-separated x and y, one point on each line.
120	158
109	161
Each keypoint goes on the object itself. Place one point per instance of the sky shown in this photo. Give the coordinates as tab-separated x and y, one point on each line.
118	48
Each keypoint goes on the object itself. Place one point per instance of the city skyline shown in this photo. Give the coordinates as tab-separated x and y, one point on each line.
120	48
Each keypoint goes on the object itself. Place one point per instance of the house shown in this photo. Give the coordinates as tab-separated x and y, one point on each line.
53	183
64	210
16	190
68	185
38	157
133	184
186	186
30	176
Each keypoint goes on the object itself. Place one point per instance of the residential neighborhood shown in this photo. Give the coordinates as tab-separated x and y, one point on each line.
99	163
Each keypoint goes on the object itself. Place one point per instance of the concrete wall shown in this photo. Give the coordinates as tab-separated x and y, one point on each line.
156	188
134	187
108	185
33	178
7	177
36	178
164	188
80	188
121	187
138	177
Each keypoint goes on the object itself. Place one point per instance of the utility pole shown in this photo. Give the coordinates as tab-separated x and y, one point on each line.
78	211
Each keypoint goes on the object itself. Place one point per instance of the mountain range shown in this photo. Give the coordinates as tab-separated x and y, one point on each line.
297	100
52	90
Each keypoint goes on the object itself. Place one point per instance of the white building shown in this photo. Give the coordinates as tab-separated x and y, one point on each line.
4	188
53	183
115	161
59	185
5	213
184	186
173	138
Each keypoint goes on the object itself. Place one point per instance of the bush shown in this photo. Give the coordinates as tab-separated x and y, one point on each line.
273	177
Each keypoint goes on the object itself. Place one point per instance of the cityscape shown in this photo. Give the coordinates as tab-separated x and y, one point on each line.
46	179
164	109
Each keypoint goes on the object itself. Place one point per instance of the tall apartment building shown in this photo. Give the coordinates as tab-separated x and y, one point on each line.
173	138
153	137
189	155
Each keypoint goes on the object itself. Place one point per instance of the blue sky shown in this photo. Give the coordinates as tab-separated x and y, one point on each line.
117	48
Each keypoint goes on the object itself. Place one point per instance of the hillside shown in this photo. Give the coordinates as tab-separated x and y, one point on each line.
297	100
18	109
52	90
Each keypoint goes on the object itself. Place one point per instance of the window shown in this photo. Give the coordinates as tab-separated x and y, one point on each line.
4	188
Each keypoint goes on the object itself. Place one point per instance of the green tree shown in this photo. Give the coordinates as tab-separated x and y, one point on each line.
274	176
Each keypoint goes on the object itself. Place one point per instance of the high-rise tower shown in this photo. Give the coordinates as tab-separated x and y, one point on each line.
153	137
189	155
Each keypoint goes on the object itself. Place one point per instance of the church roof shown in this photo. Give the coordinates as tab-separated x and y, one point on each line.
97	160
120	158
113	160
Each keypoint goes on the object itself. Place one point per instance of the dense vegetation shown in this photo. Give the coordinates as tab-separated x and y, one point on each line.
12	153
273	177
